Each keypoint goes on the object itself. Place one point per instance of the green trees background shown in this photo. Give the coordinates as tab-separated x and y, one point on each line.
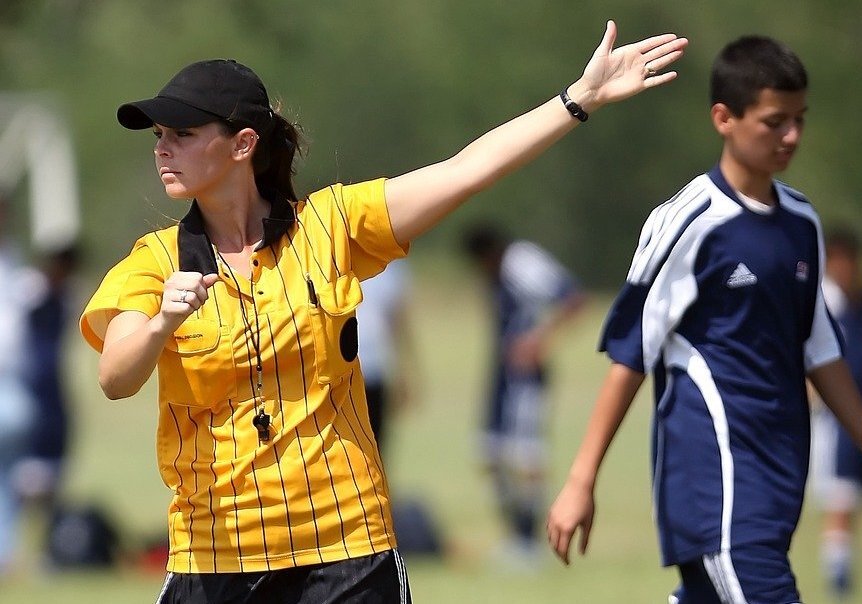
383	86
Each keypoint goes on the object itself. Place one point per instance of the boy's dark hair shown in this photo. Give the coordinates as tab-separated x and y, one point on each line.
751	64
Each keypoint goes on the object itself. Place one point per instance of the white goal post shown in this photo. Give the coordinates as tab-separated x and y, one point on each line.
35	143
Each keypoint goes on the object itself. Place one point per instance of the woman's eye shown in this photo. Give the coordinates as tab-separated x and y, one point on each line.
157	134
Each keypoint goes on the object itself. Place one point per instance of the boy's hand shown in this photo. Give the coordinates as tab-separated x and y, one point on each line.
574	508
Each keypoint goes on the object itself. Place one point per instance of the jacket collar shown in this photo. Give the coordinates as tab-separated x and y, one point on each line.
195	248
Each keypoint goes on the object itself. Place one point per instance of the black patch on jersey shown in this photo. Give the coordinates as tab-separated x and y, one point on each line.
348	340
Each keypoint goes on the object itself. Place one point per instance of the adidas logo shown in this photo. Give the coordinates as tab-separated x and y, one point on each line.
741	277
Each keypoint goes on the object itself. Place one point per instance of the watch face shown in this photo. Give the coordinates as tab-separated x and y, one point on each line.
573	108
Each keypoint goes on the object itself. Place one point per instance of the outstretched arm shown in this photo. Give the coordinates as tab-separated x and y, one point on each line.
419	199
574	507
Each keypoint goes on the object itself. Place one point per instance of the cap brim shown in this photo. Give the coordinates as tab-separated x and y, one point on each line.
164	111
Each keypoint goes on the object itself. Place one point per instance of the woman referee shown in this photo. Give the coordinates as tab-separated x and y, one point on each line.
247	309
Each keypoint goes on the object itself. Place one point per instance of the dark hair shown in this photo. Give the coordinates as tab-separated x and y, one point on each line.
481	241
273	160
68	254
751	64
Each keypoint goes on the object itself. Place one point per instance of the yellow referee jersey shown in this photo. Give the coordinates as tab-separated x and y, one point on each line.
313	490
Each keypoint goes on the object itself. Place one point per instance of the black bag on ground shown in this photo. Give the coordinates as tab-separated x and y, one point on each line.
415	529
81	537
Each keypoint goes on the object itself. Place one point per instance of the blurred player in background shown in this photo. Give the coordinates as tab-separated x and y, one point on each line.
837	461
16	401
723	304
386	348
38	476
532	296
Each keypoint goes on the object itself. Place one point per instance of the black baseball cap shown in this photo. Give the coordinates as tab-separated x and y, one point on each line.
203	92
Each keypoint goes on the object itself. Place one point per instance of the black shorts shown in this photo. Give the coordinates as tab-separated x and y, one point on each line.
375	579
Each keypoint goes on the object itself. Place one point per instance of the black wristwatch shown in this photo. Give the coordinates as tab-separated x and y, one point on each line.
576	110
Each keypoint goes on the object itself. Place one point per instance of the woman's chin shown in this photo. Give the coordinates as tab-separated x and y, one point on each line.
175	192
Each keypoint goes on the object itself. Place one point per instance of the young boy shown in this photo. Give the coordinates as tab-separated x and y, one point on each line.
723	305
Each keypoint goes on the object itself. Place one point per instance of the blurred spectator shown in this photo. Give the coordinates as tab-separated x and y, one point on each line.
837	464
532	295
386	349
15	400
37	476
388	357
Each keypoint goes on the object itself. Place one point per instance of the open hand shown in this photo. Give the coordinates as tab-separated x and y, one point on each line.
613	74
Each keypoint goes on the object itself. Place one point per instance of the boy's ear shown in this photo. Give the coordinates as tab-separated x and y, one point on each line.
721	118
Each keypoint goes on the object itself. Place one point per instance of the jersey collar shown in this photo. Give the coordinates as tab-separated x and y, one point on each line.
196	250
718	179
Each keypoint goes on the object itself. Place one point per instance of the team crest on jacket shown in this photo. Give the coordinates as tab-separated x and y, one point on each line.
802	271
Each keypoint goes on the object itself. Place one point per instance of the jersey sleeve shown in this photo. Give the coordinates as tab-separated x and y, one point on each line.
534	276
366	217
135	283
660	286
824	345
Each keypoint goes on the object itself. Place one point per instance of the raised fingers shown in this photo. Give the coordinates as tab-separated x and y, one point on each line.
659	79
657	59
610	36
656	43
665	54
660	57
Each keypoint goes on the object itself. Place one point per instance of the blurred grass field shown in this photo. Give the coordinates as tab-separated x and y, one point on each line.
432	457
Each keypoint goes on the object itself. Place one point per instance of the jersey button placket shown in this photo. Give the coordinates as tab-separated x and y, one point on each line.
256	271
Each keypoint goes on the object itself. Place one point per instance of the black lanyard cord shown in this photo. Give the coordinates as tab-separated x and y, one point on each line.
261	419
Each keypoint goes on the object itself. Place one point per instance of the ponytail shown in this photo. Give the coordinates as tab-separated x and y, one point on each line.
273	160
274	156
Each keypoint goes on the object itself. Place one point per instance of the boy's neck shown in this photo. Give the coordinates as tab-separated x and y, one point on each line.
756	185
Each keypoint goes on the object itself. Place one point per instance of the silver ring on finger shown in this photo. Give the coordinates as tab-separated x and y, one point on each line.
650	72
183	294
